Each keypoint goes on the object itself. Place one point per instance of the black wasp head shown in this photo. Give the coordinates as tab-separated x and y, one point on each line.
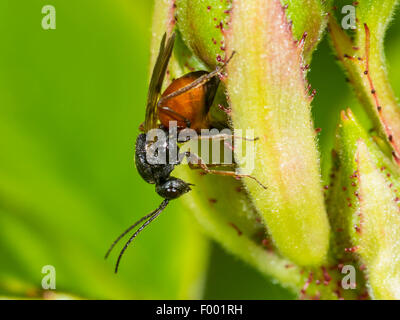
172	188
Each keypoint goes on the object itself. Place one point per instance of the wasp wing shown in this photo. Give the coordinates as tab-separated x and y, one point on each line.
156	81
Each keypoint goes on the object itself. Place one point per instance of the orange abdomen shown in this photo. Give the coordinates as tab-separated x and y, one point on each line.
192	105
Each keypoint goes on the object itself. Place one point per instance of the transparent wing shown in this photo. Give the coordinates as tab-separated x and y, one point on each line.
156	81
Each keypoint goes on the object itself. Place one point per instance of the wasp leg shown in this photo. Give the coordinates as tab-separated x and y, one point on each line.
197	83
176	114
217	137
222	136
194	166
197	160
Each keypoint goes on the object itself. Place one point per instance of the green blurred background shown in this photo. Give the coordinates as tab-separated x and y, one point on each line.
71	101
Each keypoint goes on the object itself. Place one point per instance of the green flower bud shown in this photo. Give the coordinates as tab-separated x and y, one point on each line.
266	87
364	209
362	55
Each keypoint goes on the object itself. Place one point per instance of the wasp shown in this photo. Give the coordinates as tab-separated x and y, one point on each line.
186	102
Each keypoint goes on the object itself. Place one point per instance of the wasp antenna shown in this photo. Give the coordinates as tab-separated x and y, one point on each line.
129	229
152	216
125	232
